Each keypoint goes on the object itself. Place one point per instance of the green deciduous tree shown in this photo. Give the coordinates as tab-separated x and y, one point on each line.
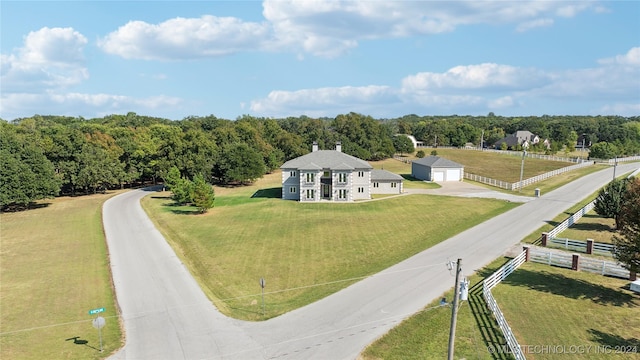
239	163
610	199
603	150
627	244
26	174
202	195
402	144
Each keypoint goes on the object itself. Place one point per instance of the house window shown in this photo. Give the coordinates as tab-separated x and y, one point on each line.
360	173
394	185
361	190
293	173
292	190
342	178
327	174
342	194
310	177
375	185
311	194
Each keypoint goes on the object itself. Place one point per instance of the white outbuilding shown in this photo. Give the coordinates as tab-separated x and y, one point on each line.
435	168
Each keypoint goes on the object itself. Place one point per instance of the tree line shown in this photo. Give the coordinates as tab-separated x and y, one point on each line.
44	156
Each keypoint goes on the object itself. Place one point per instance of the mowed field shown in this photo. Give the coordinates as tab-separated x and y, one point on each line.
54	268
578	315
303	251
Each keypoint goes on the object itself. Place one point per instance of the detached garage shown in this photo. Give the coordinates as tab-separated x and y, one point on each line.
434	168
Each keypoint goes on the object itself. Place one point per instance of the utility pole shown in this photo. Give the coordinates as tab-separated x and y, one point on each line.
524	153
454	311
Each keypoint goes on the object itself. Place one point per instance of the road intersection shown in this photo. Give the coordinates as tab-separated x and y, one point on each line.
166	315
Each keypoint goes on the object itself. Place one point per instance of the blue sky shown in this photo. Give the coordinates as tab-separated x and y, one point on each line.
279	58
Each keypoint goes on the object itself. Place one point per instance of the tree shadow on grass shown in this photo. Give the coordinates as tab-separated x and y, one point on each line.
78	341
593	227
271	193
186	211
559	284
615	342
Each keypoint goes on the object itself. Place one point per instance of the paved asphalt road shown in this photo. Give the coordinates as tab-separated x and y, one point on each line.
167	316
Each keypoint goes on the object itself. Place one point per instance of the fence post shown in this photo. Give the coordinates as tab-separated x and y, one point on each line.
574	262
633	276
589	246
545	236
526	256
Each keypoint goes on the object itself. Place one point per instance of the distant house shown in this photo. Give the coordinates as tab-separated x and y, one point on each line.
331	175
523	138
434	168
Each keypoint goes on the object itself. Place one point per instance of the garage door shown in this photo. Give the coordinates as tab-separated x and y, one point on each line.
438	176
453	175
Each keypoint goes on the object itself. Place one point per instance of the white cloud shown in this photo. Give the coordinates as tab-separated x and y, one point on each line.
631	58
330	27
611	88
537	23
485	77
324	101
182	38
50	58
75	104
325	28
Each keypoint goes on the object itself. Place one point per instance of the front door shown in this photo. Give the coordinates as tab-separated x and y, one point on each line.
326	191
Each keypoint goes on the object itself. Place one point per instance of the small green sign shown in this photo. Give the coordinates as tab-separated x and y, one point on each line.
96	311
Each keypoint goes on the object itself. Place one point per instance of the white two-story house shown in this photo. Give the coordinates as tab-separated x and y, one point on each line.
332	175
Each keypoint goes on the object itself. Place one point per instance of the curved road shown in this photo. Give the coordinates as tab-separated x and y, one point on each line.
167	316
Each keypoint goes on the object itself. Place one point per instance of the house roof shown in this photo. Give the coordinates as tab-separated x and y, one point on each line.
326	159
384	175
436	161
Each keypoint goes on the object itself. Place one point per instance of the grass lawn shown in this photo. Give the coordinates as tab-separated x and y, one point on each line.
552	306
304	251
591	226
544	305
426	334
54	268
498	166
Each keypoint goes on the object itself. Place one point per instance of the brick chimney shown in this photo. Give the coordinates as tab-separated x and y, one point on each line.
314	147
339	146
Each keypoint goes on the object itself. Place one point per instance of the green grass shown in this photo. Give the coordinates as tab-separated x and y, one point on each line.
546	305
499	166
54	268
426	334
303	246
591	226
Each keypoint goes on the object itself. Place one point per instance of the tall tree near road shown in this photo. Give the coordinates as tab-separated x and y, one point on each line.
627	245
610	199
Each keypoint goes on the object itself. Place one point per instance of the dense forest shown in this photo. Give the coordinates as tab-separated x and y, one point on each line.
45	156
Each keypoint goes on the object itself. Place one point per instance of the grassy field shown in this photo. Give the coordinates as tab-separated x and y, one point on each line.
54	268
558	307
545	306
498	166
304	251
591	226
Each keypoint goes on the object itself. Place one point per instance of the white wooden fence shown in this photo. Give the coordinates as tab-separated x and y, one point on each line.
581	246
602	267
488	284
518	185
572	219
